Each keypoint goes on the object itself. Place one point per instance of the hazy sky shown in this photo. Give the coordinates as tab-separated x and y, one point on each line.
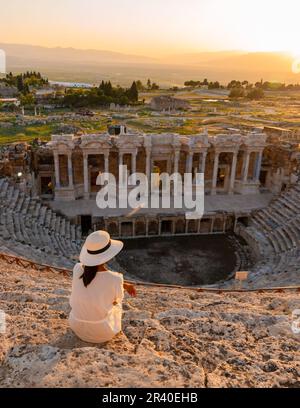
153	27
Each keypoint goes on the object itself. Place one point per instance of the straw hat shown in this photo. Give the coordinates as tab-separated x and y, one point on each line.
99	248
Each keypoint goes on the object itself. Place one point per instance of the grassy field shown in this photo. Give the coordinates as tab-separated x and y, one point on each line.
211	109
25	134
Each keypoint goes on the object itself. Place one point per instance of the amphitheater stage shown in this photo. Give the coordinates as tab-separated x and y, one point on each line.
186	261
219	203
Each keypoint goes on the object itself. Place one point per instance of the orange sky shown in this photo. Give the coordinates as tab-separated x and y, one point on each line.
154	27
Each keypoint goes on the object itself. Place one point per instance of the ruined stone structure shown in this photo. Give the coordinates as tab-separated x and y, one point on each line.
235	164
162	103
251	185
7	91
231	162
14	159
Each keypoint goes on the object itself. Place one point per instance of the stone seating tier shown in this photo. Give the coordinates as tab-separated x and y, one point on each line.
30	229
279	225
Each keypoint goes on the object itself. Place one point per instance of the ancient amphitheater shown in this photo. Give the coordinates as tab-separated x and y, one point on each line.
252	192
172	336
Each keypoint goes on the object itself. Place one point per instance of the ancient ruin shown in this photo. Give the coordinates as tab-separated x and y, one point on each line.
168	103
48	195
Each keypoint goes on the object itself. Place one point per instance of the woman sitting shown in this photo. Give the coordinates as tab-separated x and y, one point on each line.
97	292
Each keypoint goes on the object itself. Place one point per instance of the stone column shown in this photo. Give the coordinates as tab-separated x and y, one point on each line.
246	166
133	165
215	174
189	163
70	171
176	161
186	229
133	162
121	154
121	176
233	173
57	175
258	166
106	163
203	163
148	166
86	175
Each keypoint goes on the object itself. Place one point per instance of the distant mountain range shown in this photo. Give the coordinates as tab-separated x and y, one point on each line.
70	64
69	55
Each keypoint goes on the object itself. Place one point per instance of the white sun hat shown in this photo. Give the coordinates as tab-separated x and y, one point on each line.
99	248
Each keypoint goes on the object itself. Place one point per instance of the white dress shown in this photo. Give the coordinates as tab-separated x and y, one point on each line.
94	317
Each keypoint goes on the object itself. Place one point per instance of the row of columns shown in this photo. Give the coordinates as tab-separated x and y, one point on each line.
189	167
245	172
189	162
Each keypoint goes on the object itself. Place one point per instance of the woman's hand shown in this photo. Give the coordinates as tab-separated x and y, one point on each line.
130	289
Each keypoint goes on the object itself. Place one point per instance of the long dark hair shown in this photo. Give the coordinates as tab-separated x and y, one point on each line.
89	274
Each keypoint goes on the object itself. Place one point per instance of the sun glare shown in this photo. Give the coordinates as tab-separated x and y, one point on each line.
158	28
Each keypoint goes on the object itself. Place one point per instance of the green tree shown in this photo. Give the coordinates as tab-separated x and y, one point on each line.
192	83
133	94
20	83
214	85
255	93
237	92
154	87
234	84
140	85
27	100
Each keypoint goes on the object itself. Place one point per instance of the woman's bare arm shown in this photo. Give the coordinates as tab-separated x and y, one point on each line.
130	289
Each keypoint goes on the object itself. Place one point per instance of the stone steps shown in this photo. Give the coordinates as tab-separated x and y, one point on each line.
279	223
45	235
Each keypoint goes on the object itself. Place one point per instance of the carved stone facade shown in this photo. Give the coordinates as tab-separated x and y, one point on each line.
231	163
167	225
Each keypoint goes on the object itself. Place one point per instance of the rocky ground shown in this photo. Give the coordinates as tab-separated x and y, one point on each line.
170	338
